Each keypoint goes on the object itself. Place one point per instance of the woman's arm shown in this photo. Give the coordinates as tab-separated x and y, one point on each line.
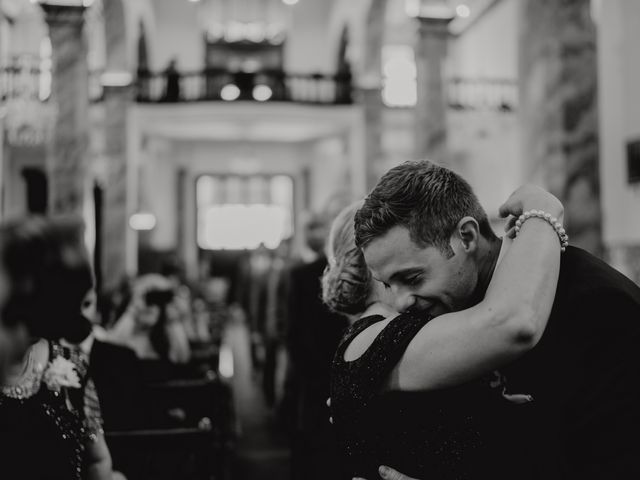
457	347
98	459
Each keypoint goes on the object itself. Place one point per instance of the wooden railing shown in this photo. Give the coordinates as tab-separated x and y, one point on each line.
483	94
267	85
25	80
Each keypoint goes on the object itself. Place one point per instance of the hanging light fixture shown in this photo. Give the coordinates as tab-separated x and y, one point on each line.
429	9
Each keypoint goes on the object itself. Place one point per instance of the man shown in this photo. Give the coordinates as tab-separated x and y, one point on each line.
579	387
313	336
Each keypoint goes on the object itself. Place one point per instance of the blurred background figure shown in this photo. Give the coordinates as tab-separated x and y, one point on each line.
276	321
313	336
50	421
172	82
152	324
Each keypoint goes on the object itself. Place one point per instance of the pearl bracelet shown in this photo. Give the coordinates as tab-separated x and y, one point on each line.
553	221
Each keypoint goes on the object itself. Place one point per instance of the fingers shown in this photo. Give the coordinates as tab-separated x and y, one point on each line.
510	227
388	473
513	206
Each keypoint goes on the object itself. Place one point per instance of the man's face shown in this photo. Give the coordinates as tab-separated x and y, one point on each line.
421	279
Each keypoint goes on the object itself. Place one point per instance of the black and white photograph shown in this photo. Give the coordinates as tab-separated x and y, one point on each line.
319	239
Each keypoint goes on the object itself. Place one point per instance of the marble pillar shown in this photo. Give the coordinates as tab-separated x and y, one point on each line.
369	92
116	208
373	109
558	110
431	107
68	145
119	199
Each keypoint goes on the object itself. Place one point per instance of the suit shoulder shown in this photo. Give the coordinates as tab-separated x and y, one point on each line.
584	273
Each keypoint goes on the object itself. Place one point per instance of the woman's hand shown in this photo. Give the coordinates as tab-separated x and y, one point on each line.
388	473
98	459
529	197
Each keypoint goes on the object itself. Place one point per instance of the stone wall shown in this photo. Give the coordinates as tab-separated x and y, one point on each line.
558	98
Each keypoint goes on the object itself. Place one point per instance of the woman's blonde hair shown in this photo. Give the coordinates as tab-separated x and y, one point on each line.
346	283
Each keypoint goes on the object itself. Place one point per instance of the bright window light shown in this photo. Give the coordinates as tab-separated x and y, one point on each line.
463	10
237	212
289	2
262	93
400	88
412	7
225	363
230	92
46	51
142	221
236	227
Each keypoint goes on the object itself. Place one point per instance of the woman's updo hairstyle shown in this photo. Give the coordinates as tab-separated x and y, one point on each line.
49	272
346	283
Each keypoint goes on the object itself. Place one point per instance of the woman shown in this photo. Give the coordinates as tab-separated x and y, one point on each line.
151	325
423	429
50	426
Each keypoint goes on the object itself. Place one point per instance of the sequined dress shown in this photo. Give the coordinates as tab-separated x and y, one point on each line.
43	435
441	434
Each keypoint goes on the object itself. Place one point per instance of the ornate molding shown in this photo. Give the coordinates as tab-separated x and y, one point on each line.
63	14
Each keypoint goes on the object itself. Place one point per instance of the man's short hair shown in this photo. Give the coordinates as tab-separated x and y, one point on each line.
427	199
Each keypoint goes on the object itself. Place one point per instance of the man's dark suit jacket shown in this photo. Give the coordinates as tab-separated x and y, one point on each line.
314	334
584	376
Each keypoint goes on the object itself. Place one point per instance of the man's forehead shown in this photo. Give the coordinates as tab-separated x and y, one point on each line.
392	251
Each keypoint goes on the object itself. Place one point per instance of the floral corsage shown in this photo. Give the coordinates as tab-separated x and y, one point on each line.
61	373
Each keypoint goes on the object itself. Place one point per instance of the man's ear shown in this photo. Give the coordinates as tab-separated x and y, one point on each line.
467	234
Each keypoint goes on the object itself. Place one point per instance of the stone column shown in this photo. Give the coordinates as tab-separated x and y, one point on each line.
373	109
558	109
119	245
369	88
431	108
68	145
116	208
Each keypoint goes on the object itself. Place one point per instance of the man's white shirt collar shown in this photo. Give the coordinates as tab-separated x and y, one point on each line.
506	243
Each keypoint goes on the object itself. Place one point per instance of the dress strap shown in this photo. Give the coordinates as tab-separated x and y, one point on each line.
352	332
372	369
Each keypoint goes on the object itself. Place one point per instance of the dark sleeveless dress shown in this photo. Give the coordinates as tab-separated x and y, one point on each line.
453	433
43	437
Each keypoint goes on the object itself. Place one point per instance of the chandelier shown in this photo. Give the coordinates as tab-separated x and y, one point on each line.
253	21
28	116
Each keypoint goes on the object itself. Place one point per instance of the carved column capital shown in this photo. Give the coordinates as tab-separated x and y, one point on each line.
56	14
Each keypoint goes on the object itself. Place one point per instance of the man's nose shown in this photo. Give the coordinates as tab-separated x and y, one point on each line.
403	300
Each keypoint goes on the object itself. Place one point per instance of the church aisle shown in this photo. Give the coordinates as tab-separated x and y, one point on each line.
262	451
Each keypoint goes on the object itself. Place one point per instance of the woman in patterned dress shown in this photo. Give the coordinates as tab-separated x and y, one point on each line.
50	425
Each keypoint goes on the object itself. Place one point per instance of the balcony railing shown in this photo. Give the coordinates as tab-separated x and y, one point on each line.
24	80
216	84
483	94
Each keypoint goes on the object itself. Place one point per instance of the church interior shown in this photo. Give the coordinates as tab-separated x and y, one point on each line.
205	144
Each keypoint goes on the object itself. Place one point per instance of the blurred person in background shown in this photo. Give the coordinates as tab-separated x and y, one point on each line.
13	338
50	422
151	325
277	295
313	336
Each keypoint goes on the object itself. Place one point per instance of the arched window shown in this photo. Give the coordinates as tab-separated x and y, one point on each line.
399	76
241	212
